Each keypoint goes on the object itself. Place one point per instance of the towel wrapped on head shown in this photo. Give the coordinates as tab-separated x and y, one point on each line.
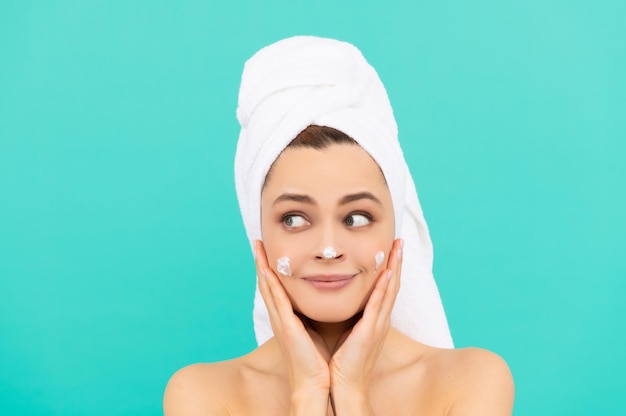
305	80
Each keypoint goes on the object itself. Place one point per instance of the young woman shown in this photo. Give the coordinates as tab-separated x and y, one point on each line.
331	211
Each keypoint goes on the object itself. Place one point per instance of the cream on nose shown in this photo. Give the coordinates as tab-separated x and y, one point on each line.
329	253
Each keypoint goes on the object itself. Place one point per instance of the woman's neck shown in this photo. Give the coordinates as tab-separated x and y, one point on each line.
332	332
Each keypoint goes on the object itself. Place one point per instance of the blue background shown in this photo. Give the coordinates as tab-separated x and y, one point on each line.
122	252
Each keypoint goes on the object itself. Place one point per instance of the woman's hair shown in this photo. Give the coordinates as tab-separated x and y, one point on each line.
320	137
316	137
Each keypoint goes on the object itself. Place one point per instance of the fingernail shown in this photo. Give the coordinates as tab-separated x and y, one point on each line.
400	248
263	274
388	275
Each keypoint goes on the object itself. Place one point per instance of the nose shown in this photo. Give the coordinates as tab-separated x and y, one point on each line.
328	248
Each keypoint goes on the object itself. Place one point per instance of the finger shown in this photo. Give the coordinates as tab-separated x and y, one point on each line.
394	282
380	303
375	301
260	260
378	307
276	300
265	272
392	260
262	278
260	257
281	302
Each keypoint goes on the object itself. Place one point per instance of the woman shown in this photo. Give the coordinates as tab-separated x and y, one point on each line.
330	207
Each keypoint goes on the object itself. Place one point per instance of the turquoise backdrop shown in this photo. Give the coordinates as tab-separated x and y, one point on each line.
122	252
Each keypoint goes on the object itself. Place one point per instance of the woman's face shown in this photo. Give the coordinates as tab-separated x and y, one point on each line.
318	198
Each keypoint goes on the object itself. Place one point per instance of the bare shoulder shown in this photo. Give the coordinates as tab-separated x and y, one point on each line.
479	382
201	389
237	386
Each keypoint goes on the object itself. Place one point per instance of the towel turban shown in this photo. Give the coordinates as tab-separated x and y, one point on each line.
305	80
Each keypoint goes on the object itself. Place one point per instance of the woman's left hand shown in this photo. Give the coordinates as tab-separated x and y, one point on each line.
352	363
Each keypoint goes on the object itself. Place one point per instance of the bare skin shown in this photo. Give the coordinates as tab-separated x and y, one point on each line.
334	351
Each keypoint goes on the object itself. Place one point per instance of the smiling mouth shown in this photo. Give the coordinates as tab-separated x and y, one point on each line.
329	282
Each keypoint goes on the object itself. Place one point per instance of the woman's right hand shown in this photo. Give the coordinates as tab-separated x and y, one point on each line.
306	354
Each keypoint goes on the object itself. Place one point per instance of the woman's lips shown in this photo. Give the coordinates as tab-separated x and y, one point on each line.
329	282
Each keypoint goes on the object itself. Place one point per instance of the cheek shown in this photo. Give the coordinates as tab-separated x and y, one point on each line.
284	256
274	246
370	254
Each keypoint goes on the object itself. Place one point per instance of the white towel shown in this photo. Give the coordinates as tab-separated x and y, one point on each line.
304	80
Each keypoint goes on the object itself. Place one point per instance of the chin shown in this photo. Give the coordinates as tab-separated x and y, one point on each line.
330	312
328	318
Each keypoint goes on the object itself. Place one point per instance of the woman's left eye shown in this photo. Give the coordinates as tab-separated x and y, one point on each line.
357	220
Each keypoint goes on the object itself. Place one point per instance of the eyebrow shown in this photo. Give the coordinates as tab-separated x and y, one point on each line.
343	201
294	197
358	196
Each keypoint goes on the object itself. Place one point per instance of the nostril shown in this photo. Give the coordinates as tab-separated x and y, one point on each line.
340	256
329	253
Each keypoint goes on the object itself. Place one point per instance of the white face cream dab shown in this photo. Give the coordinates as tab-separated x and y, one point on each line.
329	253
283	267
378	258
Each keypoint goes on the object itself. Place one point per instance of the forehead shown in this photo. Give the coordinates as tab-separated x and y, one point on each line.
337	167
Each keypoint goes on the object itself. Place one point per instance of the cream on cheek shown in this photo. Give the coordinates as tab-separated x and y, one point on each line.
378	259
283	266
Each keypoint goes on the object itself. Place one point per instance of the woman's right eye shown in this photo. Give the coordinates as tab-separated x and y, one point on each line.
294	221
